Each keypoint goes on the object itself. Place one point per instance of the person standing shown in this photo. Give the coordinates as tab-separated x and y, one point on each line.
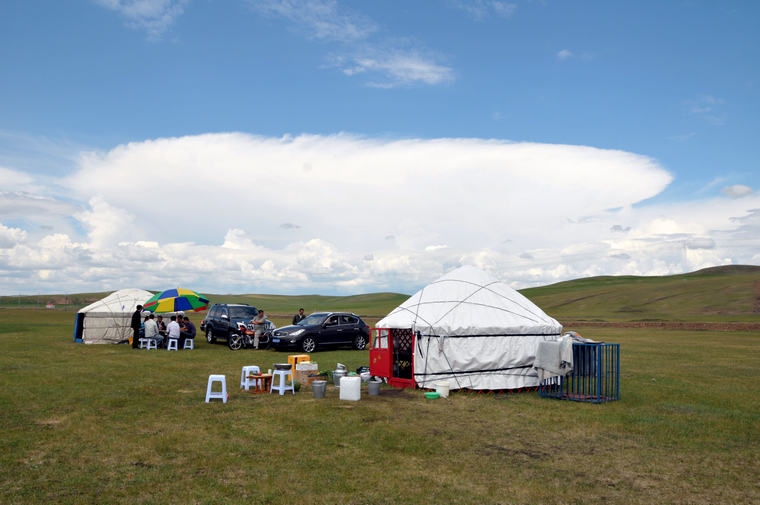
299	317
136	327
259	327
187	333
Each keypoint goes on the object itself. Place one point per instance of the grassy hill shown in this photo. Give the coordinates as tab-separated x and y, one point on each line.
720	294
727	293
374	305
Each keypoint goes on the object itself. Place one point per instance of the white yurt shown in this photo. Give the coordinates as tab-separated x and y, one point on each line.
108	321
474	331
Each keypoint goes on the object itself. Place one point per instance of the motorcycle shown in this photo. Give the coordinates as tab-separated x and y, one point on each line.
243	336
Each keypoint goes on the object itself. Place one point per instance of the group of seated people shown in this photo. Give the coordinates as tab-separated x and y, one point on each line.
180	328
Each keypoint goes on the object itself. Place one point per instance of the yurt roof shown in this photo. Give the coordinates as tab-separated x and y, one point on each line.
469	301
124	300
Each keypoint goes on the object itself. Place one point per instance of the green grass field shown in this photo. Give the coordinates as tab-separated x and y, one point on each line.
108	424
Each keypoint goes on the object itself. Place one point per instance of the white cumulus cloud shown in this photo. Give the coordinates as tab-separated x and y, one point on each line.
737	191
9	237
216	212
402	188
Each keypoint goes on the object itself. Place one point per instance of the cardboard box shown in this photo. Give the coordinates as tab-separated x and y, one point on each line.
308	373
307	380
306	367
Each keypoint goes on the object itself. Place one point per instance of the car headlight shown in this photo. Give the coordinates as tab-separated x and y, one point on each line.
296	333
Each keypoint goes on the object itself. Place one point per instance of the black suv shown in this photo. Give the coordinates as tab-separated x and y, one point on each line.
222	318
323	329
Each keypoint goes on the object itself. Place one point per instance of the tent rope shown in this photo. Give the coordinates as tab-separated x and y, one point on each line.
471	372
486	335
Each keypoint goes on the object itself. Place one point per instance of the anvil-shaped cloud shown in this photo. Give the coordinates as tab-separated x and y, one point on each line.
207	211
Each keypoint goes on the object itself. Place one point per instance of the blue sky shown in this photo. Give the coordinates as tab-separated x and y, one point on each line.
384	143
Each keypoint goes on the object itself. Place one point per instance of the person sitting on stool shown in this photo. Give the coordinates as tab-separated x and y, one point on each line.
151	330
187	333
172	330
259	327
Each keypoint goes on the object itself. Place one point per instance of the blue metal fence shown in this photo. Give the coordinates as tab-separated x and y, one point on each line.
595	377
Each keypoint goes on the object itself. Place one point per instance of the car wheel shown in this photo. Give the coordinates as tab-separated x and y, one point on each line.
210	336
308	344
360	342
235	342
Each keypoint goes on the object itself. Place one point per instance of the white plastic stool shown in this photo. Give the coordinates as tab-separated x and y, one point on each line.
188	344
144	342
151	344
282	386
212	394
245	381
173	345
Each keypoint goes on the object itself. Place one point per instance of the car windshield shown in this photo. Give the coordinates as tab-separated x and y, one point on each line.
313	319
243	312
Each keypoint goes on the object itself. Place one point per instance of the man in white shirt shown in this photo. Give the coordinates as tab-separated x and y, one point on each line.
172	330
151	328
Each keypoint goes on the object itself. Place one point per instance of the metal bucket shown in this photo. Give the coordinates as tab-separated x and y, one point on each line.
374	387
319	388
337	375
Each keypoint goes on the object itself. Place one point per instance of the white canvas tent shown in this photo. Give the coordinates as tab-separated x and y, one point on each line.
474	331
108	321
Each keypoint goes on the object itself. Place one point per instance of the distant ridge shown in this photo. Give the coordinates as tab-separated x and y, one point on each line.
729	293
728	270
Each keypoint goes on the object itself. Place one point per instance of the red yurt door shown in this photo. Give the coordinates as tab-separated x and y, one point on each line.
380	353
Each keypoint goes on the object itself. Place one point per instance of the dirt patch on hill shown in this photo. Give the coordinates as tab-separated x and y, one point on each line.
668	325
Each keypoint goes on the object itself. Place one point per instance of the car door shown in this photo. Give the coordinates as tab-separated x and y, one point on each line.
224	323
212	321
349	328
331	330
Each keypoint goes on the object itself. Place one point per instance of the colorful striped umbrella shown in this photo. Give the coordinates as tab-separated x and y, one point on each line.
175	300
